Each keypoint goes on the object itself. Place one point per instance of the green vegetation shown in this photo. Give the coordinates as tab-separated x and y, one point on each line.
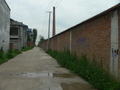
41	39
34	35
96	76
27	48
4	57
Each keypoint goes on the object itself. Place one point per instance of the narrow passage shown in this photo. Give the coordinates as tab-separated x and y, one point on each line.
36	70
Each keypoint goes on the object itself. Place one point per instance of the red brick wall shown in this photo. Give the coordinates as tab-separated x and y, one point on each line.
45	45
93	39
55	44
29	44
64	41
51	43
12	46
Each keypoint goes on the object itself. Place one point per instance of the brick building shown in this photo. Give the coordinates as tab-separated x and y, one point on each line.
97	37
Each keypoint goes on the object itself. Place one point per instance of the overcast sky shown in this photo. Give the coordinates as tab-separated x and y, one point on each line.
68	12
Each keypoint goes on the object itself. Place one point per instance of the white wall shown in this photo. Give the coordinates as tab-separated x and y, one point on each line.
4	25
114	44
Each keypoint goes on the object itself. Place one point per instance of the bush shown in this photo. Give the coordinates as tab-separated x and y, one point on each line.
10	54
96	76
16	52
27	48
1	53
4	57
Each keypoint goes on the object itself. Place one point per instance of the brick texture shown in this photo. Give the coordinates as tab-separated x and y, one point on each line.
92	38
64	41
29	44
12	46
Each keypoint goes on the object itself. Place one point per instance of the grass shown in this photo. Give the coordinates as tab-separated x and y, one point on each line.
27	48
4	57
95	75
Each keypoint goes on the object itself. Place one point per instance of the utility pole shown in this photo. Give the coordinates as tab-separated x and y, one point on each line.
49	29
54	28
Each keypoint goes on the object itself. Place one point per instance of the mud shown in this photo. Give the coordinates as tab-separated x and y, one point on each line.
76	86
64	75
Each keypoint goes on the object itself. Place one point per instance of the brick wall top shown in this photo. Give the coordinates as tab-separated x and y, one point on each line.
93	18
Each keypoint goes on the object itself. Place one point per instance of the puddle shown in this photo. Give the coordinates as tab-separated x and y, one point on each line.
62	86
48	88
76	86
31	75
35	75
64	75
42	74
56	88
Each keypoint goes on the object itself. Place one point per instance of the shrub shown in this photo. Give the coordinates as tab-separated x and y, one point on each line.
95	75
16	52
1	53
4	57
27	48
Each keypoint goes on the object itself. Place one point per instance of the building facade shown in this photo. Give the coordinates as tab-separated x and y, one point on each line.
4	25
30	37
18	34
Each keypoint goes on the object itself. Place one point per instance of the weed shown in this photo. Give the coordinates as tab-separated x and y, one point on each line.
27	48
95	75
1	53
4	57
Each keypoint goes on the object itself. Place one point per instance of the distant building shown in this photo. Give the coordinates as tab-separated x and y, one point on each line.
30	37
4	25
18	34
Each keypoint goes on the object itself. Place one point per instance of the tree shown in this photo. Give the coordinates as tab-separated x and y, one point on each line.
34	35
42	39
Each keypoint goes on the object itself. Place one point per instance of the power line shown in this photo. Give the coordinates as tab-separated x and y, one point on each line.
58	3
44	21
50	5
44	24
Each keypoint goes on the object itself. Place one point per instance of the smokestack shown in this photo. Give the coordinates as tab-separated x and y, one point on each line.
54	28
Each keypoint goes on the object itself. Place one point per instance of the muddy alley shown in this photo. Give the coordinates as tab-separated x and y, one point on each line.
36	70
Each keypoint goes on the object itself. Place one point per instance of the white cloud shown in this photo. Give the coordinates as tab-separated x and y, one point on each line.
68	13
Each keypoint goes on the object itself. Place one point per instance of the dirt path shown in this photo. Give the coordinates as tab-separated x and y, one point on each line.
36	70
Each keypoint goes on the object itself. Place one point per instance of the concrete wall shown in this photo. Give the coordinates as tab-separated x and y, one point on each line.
16	44
119	43
20	30
4	25
24	36
98	38
114	43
